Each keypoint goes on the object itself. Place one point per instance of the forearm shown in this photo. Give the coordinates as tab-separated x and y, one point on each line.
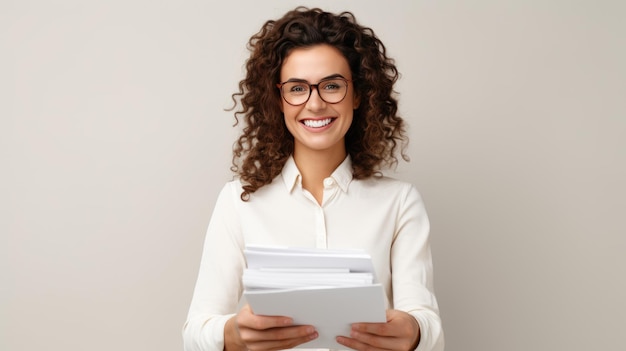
203	333
413	273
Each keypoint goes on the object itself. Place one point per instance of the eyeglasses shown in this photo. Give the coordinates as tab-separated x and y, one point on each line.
298	92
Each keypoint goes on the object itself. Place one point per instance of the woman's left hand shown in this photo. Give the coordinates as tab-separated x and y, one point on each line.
400	332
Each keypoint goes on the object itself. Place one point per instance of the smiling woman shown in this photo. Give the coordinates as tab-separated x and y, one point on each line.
320	124
377	132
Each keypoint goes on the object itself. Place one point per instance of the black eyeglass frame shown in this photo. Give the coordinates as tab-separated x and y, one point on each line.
316	86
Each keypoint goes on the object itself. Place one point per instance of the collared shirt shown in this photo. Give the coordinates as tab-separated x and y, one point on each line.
384	216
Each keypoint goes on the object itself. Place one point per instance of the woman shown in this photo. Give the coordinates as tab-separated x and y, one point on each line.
320	124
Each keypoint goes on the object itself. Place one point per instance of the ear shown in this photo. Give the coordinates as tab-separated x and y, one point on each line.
357	101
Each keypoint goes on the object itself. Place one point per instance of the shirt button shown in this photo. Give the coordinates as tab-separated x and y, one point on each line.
329	182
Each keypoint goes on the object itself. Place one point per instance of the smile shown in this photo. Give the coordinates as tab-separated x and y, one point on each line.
317	123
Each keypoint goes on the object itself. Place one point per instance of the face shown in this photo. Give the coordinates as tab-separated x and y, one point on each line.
318	126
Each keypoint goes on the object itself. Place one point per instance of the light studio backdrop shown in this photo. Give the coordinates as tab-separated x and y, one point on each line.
114	143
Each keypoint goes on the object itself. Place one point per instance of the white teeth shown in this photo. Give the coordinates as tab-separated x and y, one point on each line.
317	123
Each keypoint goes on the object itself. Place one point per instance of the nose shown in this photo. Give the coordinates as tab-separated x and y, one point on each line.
315	100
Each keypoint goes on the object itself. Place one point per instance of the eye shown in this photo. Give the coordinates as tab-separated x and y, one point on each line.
296	88
332	85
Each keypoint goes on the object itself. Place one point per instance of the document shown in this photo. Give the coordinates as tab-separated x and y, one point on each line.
327	288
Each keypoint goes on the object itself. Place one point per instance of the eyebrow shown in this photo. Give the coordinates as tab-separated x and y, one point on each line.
336	75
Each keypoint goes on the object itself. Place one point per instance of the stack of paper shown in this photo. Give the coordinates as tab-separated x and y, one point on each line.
327	288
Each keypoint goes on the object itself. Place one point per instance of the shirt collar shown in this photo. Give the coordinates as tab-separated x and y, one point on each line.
342	174
291	174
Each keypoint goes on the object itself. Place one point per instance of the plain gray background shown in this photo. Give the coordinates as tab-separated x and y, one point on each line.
114	144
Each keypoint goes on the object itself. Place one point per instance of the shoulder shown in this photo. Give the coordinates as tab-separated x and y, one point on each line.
230	194
231	188
386	186
234	189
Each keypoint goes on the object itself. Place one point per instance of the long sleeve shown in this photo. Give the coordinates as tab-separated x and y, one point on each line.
383	216
218	287
412	277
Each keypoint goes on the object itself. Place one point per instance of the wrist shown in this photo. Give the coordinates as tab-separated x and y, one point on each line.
418	333
232	340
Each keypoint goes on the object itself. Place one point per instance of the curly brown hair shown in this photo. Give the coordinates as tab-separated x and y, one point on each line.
377	133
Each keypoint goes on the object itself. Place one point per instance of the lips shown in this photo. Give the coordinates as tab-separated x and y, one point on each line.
317	123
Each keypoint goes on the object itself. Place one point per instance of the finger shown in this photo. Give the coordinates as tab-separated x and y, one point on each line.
247	319
277	334
399	324
382	329
395	336
377	341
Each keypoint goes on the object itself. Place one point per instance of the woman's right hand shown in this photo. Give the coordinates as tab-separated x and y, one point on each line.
247	331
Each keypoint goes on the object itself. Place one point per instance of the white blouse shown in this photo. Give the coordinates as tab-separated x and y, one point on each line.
384	216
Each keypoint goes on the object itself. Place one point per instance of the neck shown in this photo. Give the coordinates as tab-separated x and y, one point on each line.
315	166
